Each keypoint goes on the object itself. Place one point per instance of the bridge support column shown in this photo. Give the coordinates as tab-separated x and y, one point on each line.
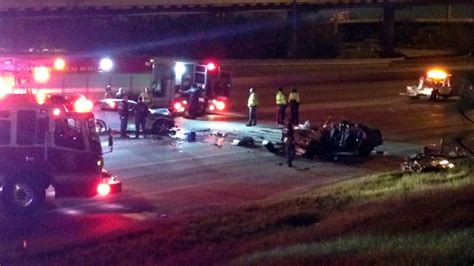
292	19
388	31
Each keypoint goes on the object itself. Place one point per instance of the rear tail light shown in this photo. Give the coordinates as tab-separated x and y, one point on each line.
103	189
178	106
220	105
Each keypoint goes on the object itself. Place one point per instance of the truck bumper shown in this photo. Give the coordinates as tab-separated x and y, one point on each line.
89	189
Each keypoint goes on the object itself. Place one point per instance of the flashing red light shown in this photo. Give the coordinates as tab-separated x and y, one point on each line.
103	189
83	105
41	74
56	111
178	106
220	105
211	66
59	64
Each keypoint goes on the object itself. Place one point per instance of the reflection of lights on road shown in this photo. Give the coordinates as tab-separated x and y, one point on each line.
70	211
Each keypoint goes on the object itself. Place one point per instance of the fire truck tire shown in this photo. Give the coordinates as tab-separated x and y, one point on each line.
160	128
22	195
100	126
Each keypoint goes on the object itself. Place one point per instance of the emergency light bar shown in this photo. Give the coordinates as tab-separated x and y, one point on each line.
437	74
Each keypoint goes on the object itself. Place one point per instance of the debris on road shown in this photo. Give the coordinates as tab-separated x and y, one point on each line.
248	142
433	158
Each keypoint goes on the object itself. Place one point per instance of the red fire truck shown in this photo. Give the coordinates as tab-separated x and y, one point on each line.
47	141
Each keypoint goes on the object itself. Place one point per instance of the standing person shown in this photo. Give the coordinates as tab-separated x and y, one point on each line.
120	93
141	112
124	113
108	92
281	102
294	101
289	142
252	104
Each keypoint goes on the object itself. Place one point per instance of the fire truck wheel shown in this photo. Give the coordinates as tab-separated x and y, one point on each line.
160	127
100	126
21	195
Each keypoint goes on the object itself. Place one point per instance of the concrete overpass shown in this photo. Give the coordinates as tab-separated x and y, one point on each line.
25	9
143	6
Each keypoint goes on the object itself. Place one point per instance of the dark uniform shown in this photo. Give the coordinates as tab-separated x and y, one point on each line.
294	102
124	112
141	112
289	142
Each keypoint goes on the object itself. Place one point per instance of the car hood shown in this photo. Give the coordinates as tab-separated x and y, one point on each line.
160	111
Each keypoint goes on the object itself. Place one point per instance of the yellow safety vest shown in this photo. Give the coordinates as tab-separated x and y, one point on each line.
280	98
253	101
294	96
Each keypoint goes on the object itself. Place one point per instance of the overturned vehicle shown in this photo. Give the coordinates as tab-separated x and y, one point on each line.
435	84
334	139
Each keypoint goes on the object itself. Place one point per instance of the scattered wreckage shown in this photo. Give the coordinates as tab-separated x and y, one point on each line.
433	84
433	158
332	140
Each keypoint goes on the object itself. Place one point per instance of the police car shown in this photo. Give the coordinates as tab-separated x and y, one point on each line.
158	122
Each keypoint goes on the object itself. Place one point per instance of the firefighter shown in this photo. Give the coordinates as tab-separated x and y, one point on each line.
141	112
124	113
145	96
194	93
281	102
252	104
289	142
294	101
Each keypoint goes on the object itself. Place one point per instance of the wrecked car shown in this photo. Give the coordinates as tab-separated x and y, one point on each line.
334	139
434	84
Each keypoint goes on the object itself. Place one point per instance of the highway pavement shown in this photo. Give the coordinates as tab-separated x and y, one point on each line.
169	178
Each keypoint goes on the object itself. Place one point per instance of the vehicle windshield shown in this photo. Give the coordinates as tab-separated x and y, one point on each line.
67	134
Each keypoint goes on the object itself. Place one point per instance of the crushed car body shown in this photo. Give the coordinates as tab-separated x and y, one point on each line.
333	139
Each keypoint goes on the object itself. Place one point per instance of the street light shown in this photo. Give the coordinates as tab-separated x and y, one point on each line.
106	64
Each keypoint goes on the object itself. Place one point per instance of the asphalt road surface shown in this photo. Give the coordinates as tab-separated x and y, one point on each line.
168	178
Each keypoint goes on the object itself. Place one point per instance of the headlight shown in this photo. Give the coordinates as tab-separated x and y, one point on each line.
444	162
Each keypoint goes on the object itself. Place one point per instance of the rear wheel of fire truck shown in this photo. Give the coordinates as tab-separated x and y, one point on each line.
160	128
100	126
365	149
22	195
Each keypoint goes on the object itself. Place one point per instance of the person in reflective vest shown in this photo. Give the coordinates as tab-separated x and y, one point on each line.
252	104
281	103
294	102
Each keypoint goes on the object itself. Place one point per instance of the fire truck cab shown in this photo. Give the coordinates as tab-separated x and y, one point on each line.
44	143
172	81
